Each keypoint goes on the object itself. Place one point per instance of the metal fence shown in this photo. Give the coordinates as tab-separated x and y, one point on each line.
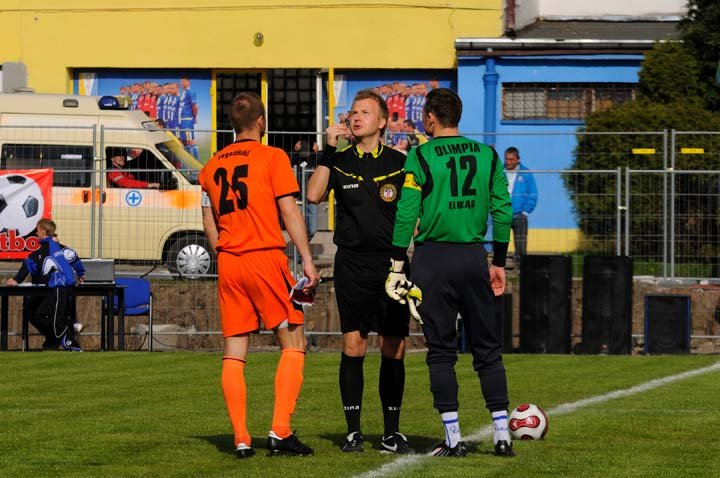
665	217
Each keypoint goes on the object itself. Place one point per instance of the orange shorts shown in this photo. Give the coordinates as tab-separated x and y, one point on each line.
255	286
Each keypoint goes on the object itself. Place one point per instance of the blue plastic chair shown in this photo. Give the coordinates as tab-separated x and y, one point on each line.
138	301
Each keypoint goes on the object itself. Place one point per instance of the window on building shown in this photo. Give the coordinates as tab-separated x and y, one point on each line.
229	85
562	101
291	102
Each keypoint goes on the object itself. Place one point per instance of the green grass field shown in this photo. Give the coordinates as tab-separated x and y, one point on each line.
162	414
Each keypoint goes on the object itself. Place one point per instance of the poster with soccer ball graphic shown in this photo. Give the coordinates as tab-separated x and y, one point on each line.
25	198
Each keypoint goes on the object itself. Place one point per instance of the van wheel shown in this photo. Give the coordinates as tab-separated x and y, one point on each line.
190	257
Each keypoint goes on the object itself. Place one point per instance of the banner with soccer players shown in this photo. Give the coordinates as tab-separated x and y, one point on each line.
404	92
179	100
25	198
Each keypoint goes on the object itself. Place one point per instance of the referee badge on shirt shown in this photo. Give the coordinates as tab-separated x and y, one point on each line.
388	192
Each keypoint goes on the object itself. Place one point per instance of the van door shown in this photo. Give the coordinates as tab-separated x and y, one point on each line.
133	223
149	209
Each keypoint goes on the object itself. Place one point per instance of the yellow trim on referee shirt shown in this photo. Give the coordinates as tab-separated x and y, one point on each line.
374	153
350	175
381	178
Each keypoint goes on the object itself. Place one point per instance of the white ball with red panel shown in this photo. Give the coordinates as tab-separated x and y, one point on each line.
528	422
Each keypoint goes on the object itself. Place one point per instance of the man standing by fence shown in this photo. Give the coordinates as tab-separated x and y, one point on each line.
523	192
247	185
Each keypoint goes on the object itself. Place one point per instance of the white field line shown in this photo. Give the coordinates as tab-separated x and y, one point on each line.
405	462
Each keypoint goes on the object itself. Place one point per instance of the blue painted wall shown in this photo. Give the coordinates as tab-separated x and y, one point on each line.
551	151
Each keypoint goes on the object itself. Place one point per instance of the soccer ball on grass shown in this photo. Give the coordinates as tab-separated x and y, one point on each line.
528	422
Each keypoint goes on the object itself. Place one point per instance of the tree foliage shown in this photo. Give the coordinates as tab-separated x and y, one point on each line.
669	74
670	97
701	36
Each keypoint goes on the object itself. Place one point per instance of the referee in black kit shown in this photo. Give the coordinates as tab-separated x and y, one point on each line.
452	183
367	178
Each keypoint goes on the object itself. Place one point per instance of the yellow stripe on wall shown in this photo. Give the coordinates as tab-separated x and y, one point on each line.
551	241
331	119
692	150
213	111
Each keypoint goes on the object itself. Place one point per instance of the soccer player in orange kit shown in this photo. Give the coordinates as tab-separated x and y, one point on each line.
247	185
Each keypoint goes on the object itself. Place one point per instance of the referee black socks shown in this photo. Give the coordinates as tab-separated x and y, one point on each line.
351	390
392	385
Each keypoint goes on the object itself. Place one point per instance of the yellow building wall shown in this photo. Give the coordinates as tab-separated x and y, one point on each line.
54	36
551	241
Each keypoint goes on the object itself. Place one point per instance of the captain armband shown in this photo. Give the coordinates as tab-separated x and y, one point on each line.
410	182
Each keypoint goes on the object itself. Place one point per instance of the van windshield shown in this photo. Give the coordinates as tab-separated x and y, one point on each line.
184	162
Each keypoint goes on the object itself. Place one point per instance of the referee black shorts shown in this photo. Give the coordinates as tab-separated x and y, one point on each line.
360	290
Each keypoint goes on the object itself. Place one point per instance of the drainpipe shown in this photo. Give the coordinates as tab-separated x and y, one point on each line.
490	81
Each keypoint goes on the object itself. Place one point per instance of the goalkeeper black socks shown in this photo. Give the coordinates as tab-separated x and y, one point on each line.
351	389
392	385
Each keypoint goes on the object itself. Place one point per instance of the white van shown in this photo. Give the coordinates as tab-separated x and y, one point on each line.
76	135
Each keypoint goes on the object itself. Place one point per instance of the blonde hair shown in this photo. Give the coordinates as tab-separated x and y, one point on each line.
48	226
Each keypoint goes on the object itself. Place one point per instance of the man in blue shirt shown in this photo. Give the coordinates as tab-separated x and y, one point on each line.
135	93
172	110
524	195
161	103
188	117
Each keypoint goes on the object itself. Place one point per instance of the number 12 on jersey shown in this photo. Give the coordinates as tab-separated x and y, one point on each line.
468	162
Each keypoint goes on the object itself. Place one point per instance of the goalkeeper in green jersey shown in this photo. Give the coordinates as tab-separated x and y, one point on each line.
452	183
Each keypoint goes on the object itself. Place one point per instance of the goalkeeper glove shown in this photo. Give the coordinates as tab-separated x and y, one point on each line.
414	299
396	285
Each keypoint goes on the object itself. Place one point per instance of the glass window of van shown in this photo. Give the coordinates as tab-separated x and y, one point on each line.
183	161
142	165
72	164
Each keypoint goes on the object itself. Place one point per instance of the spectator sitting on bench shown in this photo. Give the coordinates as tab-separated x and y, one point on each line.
56	266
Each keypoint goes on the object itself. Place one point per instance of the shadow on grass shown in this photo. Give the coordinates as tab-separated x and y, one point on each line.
223	443
421	444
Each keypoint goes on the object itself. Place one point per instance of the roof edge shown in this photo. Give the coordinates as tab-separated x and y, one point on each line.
493	44
659	18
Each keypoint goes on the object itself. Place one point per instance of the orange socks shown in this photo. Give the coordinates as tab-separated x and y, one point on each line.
233	385
288	380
